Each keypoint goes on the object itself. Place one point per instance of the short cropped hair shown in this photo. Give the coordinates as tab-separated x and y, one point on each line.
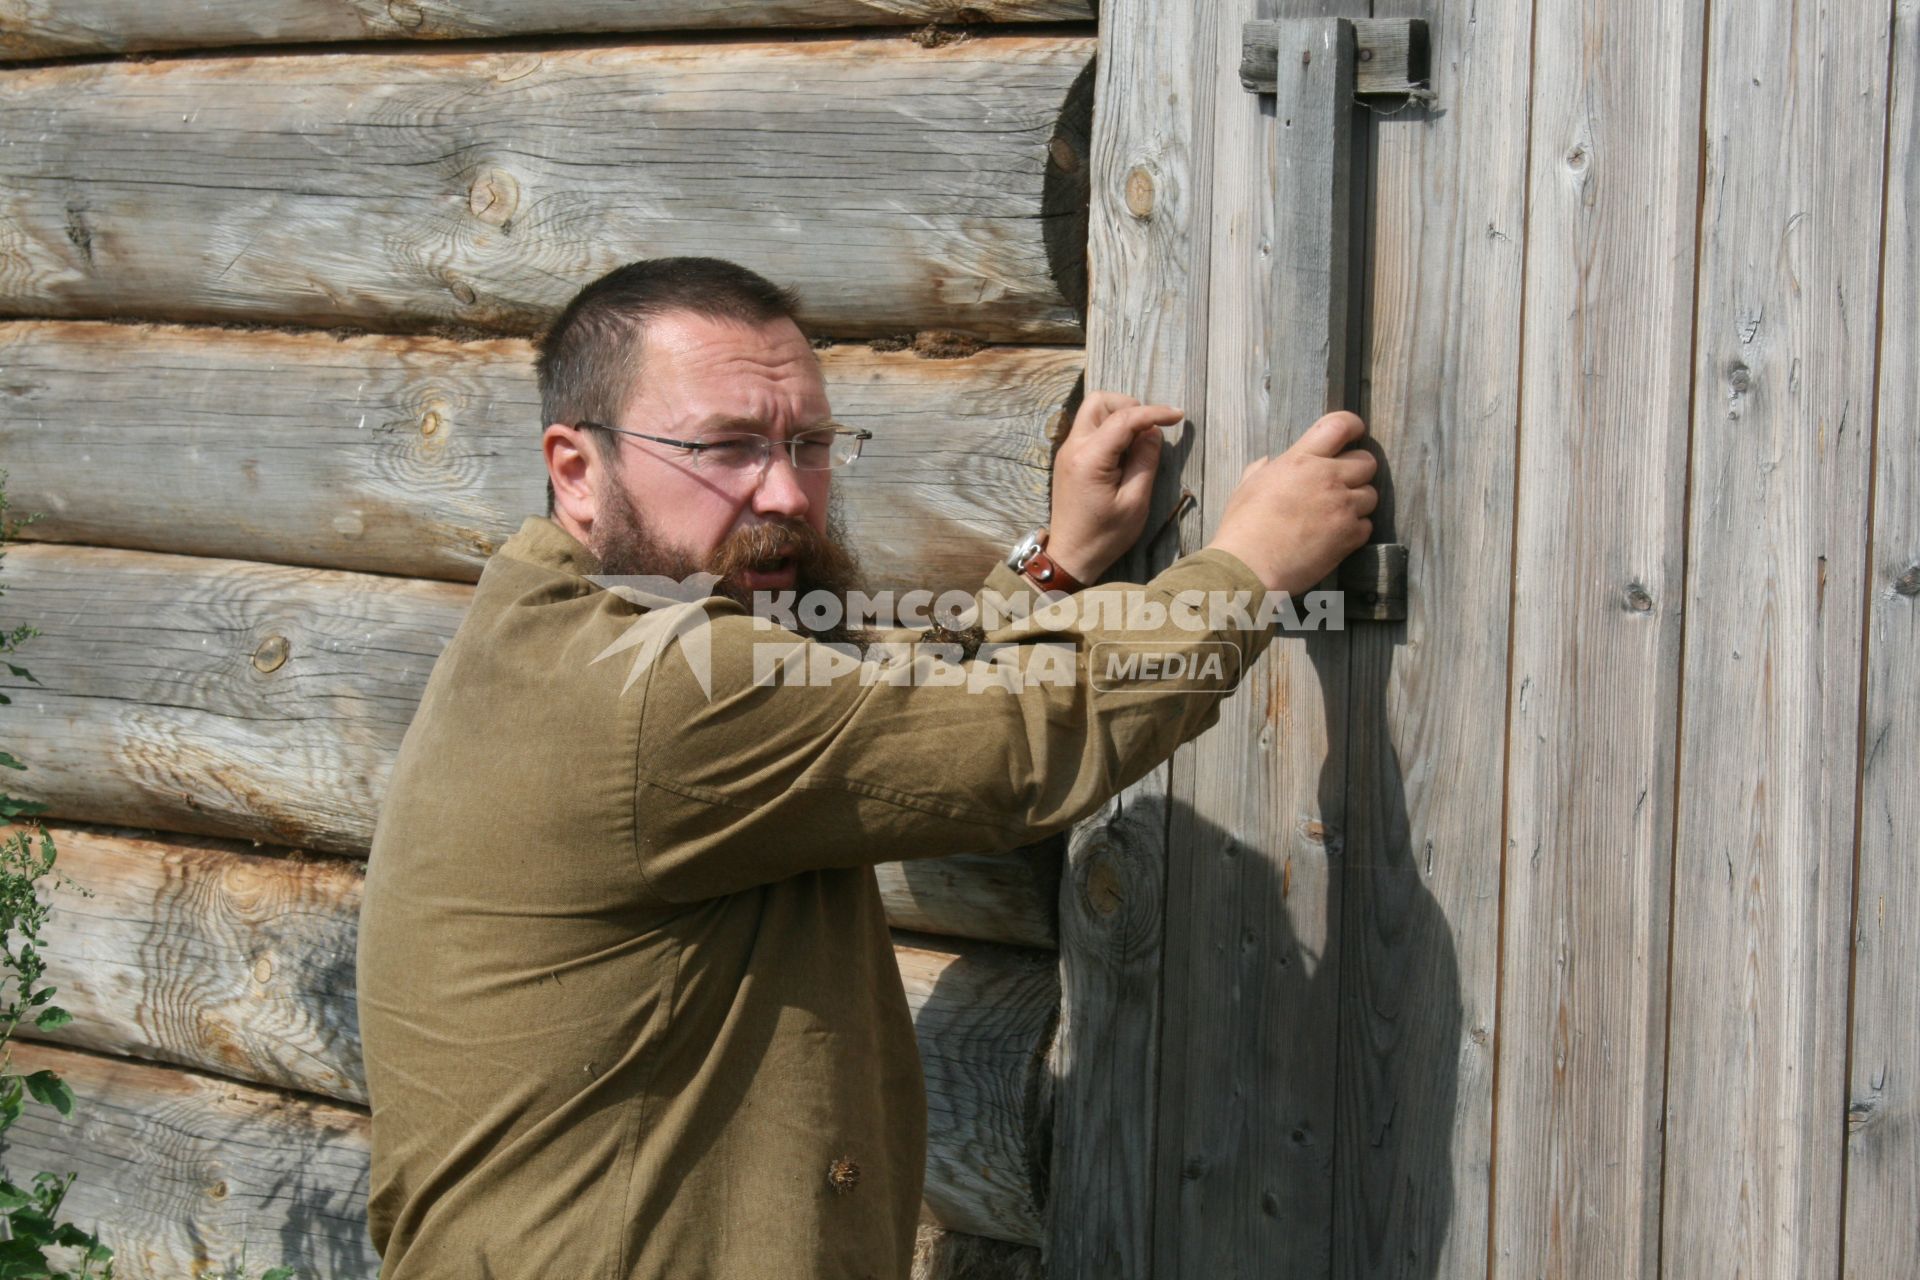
589	360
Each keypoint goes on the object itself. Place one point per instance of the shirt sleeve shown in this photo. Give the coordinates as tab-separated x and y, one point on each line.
791	758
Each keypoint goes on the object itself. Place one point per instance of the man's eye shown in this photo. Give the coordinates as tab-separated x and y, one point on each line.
813	449
737	452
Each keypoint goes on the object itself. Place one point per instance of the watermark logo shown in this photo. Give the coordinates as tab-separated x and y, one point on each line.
1166	667
673	612
1143	641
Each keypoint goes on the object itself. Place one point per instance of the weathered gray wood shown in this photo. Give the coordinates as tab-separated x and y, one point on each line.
1784	393
419	456
203	953
1390	56
160	704
184	1173
985	1019
1882	1227
896	186
1594	690
1426	716
55	28
199	954
218	696
1000	897
1248	1097
1146	331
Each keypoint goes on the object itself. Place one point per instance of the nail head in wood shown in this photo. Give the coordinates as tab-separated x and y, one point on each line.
1392	57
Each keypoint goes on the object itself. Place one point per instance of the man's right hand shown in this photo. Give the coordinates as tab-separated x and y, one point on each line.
1295	516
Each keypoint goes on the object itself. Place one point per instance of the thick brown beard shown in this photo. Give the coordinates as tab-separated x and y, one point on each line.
626	545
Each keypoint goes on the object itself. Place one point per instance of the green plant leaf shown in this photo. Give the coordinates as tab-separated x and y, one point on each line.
21	1259
52	1018
21	673
47	1087
12	808
12	1197
277	1273
9	762
31	1224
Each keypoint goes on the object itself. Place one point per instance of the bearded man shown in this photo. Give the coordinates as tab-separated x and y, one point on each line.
626	991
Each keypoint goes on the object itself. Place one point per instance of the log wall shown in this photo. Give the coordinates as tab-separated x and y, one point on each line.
264	374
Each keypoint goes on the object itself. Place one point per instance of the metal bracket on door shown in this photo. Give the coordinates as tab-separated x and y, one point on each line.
1319	71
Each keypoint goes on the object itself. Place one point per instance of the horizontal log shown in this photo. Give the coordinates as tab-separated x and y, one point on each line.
996	897
163	700
56	28
263	702
193	953
418	456
184	1173
895	186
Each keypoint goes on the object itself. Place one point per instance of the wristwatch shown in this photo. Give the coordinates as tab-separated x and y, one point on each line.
1030	559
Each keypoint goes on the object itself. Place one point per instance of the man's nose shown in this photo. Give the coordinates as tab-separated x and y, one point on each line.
780	491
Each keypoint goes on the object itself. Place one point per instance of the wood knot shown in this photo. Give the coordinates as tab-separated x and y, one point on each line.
272	654
1908	583
462	293
218	1190
843	1175
262	970
1060	151
1638	601
493	198
1139	192
407	16
1103	892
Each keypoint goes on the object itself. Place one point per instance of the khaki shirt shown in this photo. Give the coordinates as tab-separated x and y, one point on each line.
626	989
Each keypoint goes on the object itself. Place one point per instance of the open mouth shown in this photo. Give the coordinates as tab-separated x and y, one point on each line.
771	573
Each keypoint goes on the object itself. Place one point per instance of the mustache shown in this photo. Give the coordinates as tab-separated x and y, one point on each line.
815	556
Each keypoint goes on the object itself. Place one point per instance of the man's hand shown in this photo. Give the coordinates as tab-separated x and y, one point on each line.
1103	481
1295	516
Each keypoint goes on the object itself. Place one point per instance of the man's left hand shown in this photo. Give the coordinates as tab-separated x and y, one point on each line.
1103	481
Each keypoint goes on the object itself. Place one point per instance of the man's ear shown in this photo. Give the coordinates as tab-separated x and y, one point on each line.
573	478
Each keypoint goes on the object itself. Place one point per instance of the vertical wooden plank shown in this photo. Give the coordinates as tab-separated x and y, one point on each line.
1600	528
1247	1094
1883	1117
1146	337
1427	711
1783	415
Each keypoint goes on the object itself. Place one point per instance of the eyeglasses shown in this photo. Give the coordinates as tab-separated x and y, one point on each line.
744	453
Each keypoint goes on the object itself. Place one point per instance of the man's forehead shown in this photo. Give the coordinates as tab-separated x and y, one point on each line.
728	368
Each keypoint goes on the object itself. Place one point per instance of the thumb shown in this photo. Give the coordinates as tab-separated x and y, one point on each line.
1331	435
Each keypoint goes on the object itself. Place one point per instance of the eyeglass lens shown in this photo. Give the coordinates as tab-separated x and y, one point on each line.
744	451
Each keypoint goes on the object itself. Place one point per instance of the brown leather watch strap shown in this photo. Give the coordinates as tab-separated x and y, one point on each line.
1043	572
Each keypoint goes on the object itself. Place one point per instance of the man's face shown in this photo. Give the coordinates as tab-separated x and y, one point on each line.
658	510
